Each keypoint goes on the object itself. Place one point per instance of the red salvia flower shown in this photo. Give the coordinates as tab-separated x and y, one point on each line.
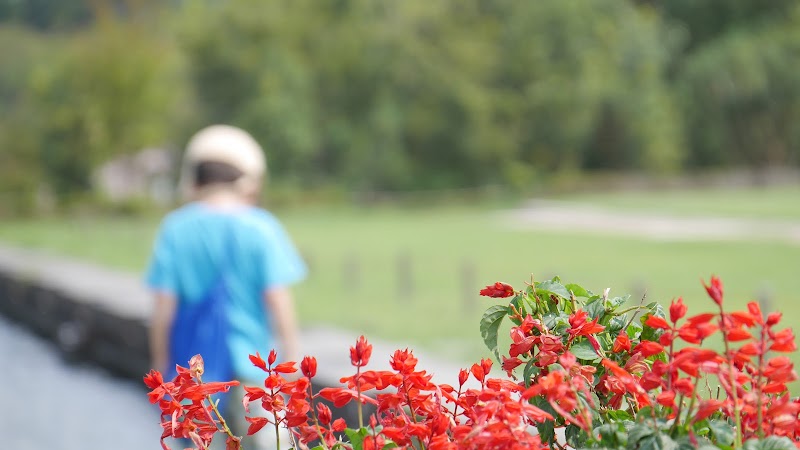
666	398
714	289
656	322
497	290
581	326
677	310
309	366
622	343
258	362
783	341
648	348
509	364
706	408
360	354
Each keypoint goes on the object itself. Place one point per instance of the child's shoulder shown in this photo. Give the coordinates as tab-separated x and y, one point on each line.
180	214
262	217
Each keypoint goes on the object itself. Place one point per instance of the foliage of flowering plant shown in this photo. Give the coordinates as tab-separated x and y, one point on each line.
582	373
640	378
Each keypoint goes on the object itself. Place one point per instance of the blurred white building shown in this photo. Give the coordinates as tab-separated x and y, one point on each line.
148	174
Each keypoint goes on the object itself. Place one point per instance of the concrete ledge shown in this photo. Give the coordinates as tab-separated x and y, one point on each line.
101	315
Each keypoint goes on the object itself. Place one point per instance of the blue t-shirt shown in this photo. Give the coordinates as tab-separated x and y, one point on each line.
196	242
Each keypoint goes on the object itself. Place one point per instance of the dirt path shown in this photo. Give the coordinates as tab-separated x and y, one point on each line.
549	215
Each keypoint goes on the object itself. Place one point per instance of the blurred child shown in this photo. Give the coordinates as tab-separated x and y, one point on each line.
221	268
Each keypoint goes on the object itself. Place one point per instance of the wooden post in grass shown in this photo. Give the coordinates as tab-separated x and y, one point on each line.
351	272
467	283
405	276
308	259
765	299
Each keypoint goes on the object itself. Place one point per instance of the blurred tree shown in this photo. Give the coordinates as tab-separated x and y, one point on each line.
46	14
742	98
417	94
20	174
706	20
386	95
574	73
111	90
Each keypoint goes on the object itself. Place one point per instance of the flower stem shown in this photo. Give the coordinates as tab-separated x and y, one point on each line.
277	435
314	416
757	387
732	376
358	389
222	422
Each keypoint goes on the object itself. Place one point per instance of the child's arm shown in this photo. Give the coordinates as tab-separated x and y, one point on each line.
280	302
160	323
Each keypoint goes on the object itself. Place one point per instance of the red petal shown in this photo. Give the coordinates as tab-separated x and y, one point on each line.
153	379
256	424
738	334
258	362
285	367
648	348
657	322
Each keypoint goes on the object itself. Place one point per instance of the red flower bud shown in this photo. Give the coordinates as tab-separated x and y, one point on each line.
196	366
773	318
360	354
309	366
324	414
258	361
273	356
677	310
497	290
714	289
622	343
463	374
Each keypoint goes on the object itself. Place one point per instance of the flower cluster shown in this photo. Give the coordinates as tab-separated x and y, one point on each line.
581	370
187	410
601	372
411	410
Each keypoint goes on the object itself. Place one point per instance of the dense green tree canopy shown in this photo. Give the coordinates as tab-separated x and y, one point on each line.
385	95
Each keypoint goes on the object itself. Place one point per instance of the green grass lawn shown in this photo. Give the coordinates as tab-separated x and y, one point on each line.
359	258
775	203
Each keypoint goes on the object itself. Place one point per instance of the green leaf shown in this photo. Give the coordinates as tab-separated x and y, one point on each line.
519	303
490	323
552	287
578	290
584	350
660	441
609	435
556	322
657	310
356	437
530	371
649	333
634	330
638	432
722	431
770	443
595	308
576	437
617	323
546	429
619	415
614	303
